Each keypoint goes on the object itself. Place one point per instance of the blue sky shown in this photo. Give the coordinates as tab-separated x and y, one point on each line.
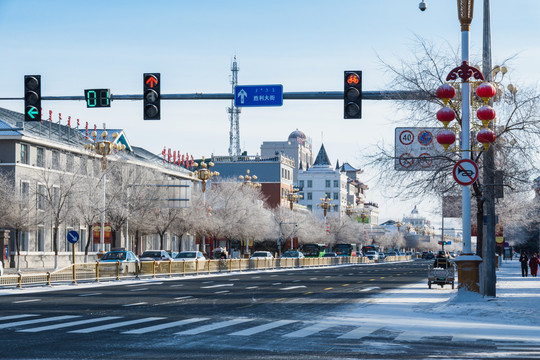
304	45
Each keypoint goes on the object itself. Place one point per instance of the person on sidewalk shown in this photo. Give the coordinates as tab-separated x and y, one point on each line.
533	264
524	260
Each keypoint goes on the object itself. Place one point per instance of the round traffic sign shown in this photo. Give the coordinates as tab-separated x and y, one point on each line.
72	236
465	172
406	137
425	137
406	160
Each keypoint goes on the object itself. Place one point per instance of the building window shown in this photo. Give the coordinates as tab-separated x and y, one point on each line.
41	197
40	239
336	196
40	157
83	166
310	196
327	183
23	241
25	154
328	195
309	183
25	192
310	207
301	195
336	183
55	160
301	184
69	163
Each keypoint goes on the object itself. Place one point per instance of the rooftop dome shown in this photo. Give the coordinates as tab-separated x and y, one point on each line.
297	134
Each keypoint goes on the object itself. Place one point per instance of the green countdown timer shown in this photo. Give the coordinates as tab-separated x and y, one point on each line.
97	98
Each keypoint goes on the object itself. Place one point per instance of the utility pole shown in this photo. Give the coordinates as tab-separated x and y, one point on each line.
488	245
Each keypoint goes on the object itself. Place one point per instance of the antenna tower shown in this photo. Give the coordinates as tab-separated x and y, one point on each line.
234	115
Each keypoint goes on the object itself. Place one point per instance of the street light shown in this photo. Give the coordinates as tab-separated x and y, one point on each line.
293	197
203	173
325	205
248	180
103	147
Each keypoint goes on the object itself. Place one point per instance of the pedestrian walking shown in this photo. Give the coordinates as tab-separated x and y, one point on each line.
524	260
533	264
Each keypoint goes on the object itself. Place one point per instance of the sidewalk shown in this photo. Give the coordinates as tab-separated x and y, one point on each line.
417	312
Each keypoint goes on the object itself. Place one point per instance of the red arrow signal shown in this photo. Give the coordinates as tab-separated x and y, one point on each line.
151	80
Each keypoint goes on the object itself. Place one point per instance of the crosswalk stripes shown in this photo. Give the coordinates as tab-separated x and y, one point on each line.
11	317
215	326
115	325
310	330
69	324
164	326
37	321
359	332
261	328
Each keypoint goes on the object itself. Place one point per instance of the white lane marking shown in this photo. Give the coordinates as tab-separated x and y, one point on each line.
255	277
146	283
10	317
296	280
370	288
312	278
215	326
164	326
222	292
310	330
68	324
273	275
252	287
138	289
276	284
208	282
412	335
234	279
36	321
264	327
177	285
114	325
25	301
293	287
216	286
182	297
136	304
360	332
91	294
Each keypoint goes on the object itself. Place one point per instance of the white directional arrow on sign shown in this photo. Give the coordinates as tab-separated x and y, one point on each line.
242	95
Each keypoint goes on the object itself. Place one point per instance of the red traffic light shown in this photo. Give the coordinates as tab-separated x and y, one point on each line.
353	79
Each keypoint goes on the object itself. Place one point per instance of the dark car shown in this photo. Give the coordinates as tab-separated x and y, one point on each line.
330	254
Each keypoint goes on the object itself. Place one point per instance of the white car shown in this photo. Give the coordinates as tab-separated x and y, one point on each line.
189	256
372	255
262	255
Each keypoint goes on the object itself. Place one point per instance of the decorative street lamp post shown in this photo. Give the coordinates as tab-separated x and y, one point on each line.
293	197
103	147
203	173
248	181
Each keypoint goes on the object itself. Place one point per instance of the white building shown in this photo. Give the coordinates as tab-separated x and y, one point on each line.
322	180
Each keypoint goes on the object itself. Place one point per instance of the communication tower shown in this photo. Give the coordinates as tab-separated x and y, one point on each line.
234	115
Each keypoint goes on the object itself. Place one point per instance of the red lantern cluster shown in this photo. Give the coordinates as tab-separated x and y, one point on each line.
446	115
486	137
486	114
486	91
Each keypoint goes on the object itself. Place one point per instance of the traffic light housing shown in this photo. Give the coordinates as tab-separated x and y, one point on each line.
352	95
151	96
32	98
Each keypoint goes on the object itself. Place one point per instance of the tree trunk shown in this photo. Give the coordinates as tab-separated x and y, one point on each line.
89	238
55	246
18	246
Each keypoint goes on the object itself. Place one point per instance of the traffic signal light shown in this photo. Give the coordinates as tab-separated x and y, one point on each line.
352	95
32	98
151	96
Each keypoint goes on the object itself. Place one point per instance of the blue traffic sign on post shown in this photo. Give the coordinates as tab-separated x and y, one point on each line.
72	236
258	95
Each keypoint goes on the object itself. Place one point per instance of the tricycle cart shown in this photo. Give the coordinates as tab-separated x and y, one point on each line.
442	275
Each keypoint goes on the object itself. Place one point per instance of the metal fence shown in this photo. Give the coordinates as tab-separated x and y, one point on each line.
98	271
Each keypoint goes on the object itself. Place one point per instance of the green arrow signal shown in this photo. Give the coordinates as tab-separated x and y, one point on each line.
32	112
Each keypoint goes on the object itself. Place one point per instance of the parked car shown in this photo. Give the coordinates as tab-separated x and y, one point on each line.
372	255
172	254
330	254
391	253
292	254
261	255
119	255
189	256
158	255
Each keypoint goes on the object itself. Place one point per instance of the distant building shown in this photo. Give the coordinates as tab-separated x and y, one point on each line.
298	147
274	173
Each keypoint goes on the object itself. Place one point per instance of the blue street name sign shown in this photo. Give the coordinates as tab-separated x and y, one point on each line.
72	236
258	95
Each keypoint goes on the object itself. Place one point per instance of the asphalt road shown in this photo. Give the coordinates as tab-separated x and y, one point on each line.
286	314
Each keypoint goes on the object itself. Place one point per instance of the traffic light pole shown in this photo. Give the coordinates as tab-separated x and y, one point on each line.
307	95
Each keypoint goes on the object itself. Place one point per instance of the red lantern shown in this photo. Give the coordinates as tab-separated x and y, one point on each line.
485	114
446	115
446	92
446	138
485	91
486	137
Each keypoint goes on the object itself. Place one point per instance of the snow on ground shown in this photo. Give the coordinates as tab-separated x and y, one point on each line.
417	311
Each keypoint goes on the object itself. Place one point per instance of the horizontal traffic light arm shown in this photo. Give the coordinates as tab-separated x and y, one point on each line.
308	95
